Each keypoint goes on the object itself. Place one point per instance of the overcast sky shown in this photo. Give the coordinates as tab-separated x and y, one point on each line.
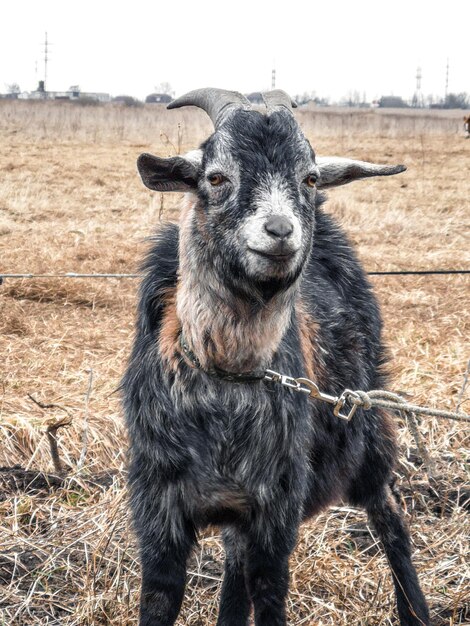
332	47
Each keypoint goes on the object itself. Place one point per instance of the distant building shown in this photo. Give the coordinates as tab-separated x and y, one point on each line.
73	93
158	98
129	101
74	90
392	102
99	96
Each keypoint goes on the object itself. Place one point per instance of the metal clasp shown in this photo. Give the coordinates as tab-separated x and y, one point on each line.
347	396
338	402
305	385
315	392
285	381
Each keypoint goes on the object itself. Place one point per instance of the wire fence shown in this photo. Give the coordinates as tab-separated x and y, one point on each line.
69	275
137	275
366	400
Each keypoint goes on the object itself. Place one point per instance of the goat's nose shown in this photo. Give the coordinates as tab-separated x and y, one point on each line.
279	226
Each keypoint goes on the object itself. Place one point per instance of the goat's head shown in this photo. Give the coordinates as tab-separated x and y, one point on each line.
256	180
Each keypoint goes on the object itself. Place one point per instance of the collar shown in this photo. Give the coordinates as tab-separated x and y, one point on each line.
253	376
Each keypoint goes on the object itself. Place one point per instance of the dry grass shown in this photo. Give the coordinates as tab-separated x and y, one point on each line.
70	200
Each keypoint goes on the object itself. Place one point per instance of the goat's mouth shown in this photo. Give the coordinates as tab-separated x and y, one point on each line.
277	257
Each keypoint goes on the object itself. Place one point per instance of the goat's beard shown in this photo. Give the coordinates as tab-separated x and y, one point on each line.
234	330
237	332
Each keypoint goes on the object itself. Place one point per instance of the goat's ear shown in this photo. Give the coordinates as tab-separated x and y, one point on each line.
336	171
172	174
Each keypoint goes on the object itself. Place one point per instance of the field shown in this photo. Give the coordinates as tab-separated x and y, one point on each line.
71	201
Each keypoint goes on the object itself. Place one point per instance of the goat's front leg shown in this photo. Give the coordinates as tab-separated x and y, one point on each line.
387	520
267	575
166	539
163	583
235	602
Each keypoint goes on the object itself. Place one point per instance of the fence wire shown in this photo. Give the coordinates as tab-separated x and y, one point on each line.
111	275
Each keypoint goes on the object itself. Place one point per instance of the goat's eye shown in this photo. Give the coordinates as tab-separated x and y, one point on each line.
310	180
216	179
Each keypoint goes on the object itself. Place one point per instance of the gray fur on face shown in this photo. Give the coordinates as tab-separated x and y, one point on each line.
271	198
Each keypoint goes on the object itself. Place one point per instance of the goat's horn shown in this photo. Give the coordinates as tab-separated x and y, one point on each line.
217	103
278	98
335	171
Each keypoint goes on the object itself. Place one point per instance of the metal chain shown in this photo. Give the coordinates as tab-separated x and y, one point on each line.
359	399
305	385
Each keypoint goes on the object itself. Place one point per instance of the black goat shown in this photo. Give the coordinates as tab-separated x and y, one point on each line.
256	276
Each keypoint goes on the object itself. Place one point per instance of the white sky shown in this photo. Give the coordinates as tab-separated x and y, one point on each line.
332	47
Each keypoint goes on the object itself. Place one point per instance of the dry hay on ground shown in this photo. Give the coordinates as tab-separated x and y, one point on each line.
70	200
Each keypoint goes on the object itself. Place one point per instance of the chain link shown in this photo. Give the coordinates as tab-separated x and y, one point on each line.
305	385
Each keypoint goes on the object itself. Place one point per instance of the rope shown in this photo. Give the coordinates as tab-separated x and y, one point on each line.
358	398
389	400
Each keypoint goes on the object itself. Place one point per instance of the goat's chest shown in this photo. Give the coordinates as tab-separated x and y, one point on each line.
244	431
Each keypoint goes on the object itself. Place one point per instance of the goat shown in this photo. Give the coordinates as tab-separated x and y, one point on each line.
466	125
256	276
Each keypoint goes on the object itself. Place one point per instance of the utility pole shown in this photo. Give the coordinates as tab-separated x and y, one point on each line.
418	96
447	81
46	46
273	79
46	51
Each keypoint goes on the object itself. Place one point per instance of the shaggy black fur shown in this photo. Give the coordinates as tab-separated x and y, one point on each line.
257	458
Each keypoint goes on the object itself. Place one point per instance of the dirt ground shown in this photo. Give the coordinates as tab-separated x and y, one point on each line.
71	201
